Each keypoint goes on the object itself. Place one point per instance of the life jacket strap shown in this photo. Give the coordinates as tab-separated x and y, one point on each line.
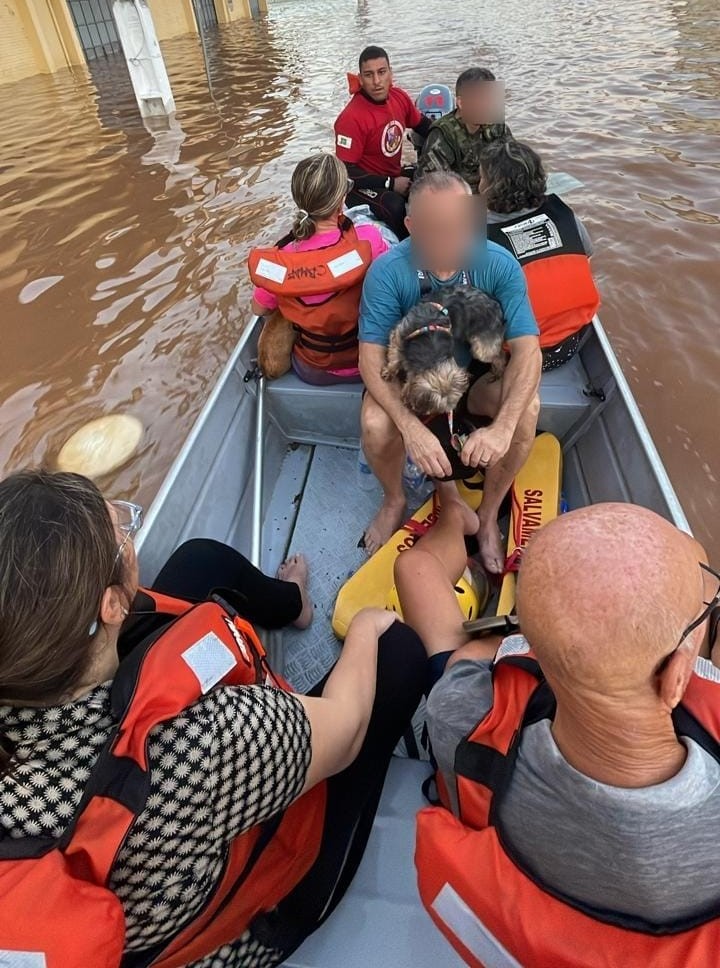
324	343
426	286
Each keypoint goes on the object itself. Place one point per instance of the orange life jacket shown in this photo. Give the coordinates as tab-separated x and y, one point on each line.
82	923
548	246
483	900
327	332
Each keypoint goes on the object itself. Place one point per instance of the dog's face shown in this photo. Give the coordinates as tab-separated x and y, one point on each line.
421	348
437	390
420	341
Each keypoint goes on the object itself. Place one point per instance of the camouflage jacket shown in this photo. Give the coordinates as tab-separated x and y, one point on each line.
450	147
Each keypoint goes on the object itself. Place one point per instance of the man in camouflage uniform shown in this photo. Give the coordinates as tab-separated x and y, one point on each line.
456	140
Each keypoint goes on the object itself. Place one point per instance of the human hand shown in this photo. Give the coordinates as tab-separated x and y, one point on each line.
379	619
486	446
401	185
425	450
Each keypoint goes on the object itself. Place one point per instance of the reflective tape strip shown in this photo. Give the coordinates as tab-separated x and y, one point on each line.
22	959
470	931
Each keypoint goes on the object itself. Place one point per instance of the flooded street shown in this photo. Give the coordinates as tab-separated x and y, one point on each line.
122	278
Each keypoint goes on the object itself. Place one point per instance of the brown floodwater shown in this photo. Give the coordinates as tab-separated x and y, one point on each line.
122	279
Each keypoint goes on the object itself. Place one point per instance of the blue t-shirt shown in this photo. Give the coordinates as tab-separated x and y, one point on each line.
391	288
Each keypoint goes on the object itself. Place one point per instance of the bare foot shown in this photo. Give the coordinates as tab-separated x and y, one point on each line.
492	549
385	523
448	494
295	569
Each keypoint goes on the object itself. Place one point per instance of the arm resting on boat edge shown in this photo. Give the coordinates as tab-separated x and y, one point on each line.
339	718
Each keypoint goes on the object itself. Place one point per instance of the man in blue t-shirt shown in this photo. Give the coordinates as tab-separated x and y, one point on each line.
443	245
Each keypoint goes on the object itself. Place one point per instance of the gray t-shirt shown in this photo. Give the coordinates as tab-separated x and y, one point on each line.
651	853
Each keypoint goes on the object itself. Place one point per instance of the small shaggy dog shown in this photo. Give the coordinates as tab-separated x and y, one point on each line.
420	351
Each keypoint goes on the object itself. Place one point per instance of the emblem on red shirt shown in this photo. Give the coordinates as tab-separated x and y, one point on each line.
391	140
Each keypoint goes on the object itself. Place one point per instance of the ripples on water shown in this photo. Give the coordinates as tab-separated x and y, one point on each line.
122	281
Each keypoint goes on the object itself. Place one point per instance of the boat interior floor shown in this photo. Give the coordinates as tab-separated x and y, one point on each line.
380	922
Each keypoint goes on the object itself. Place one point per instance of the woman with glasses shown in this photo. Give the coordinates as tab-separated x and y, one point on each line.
230	764
314	275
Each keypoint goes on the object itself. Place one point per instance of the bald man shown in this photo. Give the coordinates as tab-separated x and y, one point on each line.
607	804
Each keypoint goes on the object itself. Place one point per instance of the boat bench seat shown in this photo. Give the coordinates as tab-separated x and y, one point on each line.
380	922
331	415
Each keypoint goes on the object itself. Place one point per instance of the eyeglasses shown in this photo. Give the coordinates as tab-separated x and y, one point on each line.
129	521
702	617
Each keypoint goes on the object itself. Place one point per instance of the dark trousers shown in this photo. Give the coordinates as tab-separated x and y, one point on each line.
201	565
387	206
197	568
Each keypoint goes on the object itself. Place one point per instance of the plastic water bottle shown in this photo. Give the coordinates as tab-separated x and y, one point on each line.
413	478
366	478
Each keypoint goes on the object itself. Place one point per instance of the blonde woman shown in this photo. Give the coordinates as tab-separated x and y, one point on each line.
314	274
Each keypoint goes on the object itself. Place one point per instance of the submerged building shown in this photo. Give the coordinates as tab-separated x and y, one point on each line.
42	36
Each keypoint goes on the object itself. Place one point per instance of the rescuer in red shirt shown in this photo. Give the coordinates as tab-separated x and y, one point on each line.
369	134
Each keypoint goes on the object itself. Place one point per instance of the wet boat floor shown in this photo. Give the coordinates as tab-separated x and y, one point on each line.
319	509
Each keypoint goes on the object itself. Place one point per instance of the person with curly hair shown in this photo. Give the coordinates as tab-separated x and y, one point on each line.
549	241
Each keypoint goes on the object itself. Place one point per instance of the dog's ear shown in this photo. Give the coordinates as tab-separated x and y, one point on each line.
486	347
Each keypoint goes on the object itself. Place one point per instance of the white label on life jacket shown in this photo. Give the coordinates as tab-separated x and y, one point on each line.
271	270
345	263
343	141
470	931
210	660
533	236
22	959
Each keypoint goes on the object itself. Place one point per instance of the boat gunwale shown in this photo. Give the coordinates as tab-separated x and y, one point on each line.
638	421
185	451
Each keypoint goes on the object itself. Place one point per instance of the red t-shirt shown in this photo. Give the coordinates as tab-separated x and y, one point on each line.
370	135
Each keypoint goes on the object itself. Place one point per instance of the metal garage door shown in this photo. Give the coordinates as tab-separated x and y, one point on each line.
95	26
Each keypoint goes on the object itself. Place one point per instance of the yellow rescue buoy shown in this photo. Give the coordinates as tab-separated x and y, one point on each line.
101	446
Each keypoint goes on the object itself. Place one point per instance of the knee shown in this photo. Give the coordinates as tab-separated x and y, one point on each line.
405	566
375	423
402	648
412	567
